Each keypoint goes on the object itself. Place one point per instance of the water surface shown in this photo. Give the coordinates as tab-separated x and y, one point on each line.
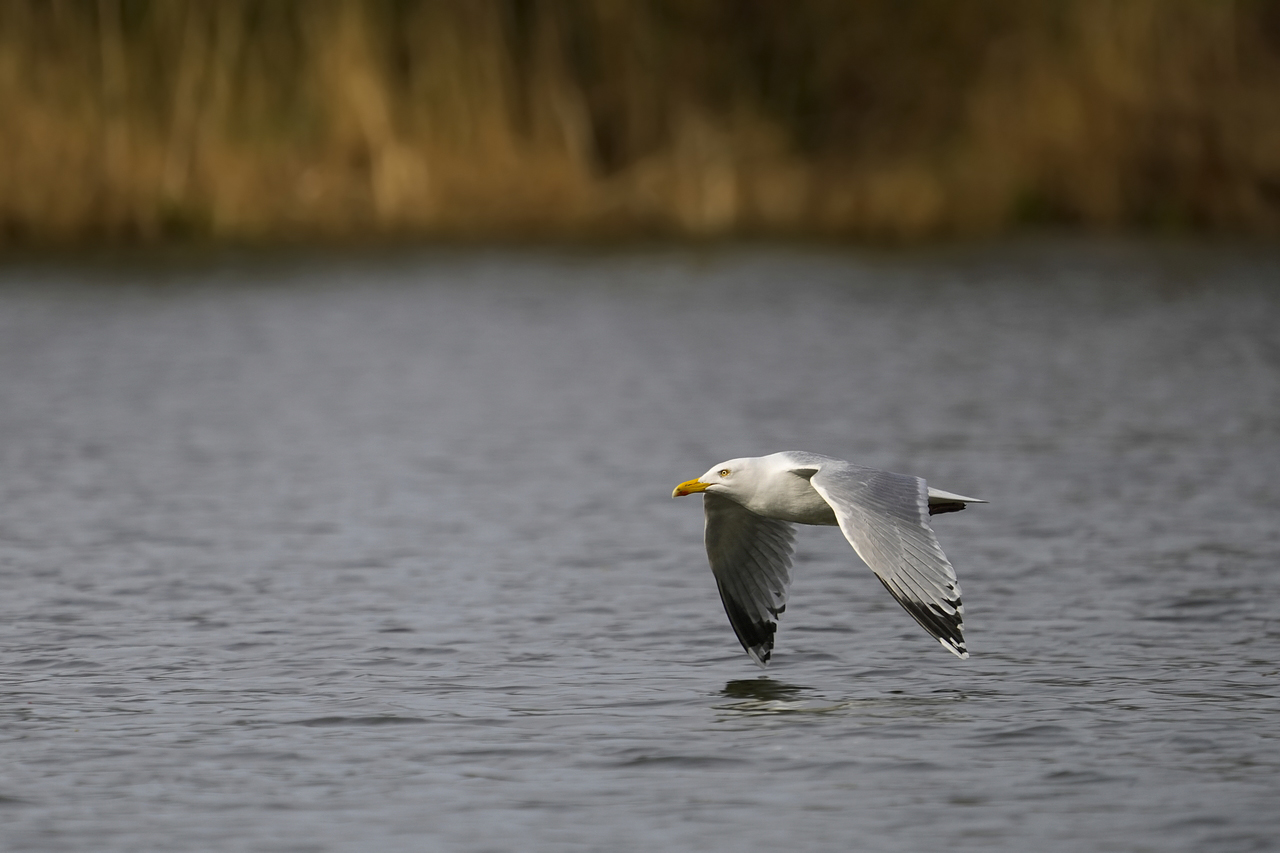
378	553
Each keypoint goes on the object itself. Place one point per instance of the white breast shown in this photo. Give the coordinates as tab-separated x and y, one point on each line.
790	497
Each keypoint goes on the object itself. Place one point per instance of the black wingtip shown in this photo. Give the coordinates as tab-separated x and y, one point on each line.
755	636
946	628
938	507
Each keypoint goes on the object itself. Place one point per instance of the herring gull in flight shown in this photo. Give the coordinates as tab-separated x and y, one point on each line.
750	505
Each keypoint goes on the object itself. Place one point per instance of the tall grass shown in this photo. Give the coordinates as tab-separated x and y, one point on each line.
318	119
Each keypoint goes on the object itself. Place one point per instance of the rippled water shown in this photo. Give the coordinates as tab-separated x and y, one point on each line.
379	554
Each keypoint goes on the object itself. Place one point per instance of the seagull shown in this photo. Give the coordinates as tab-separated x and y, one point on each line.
751	503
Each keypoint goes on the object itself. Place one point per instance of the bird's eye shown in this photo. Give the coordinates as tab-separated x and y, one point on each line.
725	472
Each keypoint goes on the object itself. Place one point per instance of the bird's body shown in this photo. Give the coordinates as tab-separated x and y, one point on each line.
751	503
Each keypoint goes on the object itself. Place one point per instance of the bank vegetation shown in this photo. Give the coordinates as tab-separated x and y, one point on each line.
265	120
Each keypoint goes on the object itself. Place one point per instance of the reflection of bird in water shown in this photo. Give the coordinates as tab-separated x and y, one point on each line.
750	504
761	689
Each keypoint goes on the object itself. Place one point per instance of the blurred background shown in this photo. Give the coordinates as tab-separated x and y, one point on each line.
143	121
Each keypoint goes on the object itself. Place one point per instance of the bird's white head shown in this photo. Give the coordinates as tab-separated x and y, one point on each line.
733	478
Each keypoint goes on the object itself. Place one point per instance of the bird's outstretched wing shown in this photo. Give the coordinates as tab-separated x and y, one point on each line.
750	556
885	517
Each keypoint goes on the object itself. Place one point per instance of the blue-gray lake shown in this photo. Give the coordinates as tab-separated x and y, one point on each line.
377	553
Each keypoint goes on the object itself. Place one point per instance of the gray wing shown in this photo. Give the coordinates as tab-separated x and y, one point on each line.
885	517
750	556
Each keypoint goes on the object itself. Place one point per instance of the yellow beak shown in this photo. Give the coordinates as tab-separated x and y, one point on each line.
689	487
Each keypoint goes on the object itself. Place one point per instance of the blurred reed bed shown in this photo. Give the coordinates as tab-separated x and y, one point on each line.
146	120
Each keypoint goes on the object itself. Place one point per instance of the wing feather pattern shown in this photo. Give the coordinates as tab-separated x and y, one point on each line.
885	517
750	556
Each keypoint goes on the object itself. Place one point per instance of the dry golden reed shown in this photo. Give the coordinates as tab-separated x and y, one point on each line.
146	120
